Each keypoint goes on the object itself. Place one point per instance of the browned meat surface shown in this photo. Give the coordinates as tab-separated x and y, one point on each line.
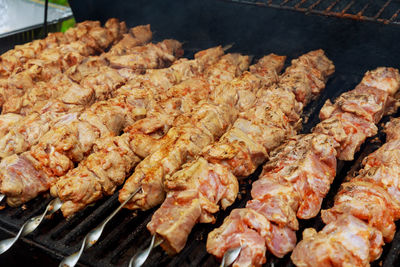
261	126
209	184
300	172
72	140
188	93
73	97
41	60
73	137
353	116
205	124
363	214
60	86
346	242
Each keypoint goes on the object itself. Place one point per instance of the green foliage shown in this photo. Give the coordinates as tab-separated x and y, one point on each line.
60	2
67	24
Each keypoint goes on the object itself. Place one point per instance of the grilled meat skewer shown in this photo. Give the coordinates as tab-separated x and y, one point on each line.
169	158
299	173
141	141
362	218
23	68
195	192
66	87
15	59
61	85
95	87
71	142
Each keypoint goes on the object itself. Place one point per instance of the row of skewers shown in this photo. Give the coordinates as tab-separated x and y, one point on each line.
186	131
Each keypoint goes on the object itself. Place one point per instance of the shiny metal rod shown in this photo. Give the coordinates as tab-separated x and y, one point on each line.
93	236
230	256
140	258
30	225
2	196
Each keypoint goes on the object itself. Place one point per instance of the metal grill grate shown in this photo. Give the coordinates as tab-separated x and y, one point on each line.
382	11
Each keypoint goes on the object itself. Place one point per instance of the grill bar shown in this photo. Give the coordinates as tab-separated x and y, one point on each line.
385	12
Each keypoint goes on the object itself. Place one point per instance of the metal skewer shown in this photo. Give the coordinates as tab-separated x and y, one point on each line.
2	196
139	258
230	256
30	225
93	236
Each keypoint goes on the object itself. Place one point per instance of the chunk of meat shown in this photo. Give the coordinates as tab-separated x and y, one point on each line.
243	227
308	164
367	202
347	241
349	130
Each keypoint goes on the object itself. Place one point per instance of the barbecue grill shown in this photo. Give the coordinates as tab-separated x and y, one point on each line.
357	35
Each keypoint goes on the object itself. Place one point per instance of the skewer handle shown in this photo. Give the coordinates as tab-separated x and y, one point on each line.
93	236
30	225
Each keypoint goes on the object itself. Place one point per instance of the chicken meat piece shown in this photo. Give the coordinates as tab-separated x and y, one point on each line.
245	228
347	241
193	195
299	173
306	162
352	118
367	202
88	38
349	130
208	123
248	134
93	88
148	56
74	141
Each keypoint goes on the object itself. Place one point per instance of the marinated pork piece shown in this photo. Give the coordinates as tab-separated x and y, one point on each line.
307	163
17	57
148	57
347	241
364	211
260	127
294	182
353	116
75	98
209	122
299	173
242	228
144	175
88	38
208	184
366	201
73	140
188	93
61	87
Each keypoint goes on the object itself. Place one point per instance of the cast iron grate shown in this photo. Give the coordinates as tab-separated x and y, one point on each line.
382	11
